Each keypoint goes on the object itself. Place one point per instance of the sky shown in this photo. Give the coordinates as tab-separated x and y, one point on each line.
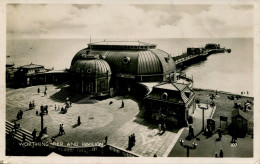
128	21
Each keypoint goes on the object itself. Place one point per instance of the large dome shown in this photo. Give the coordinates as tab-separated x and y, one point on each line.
141	60
91	67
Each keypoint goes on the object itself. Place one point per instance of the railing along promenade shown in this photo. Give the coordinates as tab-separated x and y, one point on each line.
102	150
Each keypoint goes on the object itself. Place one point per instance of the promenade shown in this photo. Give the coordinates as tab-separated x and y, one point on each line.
98	120
208	146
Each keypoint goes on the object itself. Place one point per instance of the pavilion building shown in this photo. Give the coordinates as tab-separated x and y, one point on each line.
126	62
134	67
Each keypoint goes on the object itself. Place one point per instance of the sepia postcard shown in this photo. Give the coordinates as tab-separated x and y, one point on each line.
129	82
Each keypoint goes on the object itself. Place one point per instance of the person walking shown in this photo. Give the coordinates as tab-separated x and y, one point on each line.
159	128
216	155
21	114
79	121
62	129
46	109
33	105
221	154
105	140
30	105
41	108
123	104
219	134
38	90
18	115
34	135
133	139
191	131
129	143
163	127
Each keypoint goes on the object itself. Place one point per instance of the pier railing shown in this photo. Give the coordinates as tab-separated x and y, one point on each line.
186	57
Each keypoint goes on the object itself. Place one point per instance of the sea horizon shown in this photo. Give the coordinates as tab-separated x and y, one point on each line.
219	71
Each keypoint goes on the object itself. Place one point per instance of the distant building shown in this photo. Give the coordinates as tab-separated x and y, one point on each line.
170	102
194	51
26	75
33	74
10	70
210	46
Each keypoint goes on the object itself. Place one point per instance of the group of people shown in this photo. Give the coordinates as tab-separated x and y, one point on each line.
221	154
64	110
243	93
45	91
31	105
131	142
61	130
19	115
44	109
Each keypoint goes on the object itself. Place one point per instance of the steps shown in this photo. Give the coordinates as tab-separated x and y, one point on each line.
62	95
9	127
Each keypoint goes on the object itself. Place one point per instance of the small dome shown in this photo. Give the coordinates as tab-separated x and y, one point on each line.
93	67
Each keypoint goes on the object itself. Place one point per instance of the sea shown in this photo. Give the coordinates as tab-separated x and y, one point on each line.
230	72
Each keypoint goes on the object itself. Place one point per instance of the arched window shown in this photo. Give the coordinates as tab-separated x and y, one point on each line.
164	96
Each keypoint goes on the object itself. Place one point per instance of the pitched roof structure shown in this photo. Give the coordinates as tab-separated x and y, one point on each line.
30	66
238	112
176	93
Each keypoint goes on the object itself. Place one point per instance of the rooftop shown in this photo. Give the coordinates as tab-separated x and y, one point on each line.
237	112
129	45
29	66
172	86
122	43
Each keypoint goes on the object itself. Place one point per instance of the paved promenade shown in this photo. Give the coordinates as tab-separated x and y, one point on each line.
98	120
207	147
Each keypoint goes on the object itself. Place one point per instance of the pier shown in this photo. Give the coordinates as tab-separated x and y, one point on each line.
194	55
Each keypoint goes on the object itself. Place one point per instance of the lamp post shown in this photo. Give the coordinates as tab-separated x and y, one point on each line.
188	148
203	109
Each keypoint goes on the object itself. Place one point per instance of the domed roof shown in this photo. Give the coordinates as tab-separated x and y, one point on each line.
136	62
97	67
